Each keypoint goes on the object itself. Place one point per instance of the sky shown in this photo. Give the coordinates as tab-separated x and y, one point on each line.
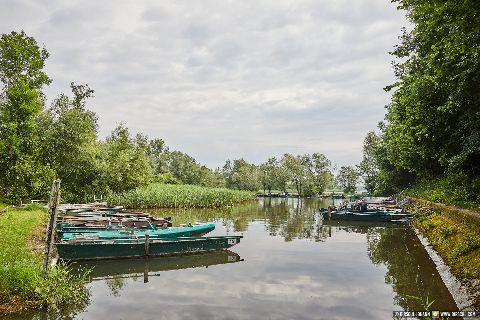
224	79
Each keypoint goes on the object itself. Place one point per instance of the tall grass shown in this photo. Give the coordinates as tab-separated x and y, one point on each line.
179	196
21	280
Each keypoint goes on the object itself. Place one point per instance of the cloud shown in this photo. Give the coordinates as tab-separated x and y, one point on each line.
224	79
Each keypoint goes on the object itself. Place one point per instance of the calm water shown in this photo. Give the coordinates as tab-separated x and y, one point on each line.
289	265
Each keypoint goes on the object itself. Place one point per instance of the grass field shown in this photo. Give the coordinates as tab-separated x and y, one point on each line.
22	285
179	196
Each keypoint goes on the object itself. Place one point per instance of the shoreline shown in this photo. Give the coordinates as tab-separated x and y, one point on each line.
464	292
451	237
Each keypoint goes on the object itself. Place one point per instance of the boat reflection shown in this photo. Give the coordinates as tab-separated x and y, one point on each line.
137	268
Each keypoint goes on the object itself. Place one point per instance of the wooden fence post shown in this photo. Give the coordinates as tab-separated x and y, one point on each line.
52	219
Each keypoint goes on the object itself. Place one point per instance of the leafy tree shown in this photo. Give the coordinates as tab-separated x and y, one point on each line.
433	120
282	176
347	179
267	174
158	155
295	166
125	164
69	143
21	100
369	166
241	175
319	168
185	168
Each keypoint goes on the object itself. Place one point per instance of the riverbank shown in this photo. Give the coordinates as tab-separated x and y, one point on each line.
447	190
455	235
22	286
179	196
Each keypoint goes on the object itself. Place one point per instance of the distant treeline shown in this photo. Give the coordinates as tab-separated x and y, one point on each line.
430	139
40	143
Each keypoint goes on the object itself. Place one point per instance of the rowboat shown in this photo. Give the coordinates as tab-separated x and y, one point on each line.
185	231
92	249
102	220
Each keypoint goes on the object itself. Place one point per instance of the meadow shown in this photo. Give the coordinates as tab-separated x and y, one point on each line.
22	285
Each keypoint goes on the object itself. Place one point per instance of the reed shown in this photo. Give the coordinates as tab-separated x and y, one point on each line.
179	196
22	284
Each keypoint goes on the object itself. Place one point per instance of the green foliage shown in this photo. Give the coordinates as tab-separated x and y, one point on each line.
69	143
368	168
268	173
241	175
165	179
347	179
21	100
21	268
124	161
175	196
433	120
453	189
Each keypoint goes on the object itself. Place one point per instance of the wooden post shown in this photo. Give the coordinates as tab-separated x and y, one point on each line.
145	272
52	219
147	245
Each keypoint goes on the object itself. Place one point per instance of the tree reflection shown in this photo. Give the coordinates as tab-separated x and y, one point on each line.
290	218
411	273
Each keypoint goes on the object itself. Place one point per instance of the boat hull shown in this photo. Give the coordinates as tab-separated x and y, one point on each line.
134	248
365	216
189	231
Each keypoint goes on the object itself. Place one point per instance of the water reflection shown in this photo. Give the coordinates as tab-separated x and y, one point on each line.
411	273
296	266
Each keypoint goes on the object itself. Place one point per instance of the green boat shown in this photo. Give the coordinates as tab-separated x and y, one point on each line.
373	216
133	233
88	249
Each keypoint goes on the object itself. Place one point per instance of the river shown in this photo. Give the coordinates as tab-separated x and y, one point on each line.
290	264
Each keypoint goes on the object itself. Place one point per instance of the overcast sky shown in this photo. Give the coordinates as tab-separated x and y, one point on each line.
224	79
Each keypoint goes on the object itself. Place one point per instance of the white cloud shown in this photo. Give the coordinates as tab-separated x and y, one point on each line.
224	79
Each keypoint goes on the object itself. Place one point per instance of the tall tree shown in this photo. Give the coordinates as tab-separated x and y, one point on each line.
69	143
369	166
267	174
125	163
298	174
347	179
241	175
433	120
319	167
21	100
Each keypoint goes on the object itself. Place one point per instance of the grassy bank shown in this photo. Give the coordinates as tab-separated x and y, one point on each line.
454	236
179	196
454	190
21	282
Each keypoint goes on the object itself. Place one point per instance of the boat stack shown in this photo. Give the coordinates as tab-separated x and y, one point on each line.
97	232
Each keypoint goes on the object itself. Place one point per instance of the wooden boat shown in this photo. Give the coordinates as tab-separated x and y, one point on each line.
186	231
89	249
109	219
88	226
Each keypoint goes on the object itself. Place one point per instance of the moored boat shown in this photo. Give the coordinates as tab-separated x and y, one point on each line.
376	216
90	249
185	231
360	211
